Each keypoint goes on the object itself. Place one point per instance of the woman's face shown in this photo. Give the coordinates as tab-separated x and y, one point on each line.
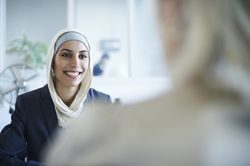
70	64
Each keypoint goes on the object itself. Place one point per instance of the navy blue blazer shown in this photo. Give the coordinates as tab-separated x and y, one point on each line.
32	126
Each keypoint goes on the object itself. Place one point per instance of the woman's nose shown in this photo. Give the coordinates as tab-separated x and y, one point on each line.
75	60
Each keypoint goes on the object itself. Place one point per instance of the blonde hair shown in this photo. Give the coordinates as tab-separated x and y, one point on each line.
215	47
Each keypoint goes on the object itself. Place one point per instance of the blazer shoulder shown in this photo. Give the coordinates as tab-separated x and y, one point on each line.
35	94
99	96
35	102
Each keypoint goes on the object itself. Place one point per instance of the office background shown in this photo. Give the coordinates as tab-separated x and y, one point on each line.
124	29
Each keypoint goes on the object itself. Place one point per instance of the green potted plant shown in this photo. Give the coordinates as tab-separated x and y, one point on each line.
33	53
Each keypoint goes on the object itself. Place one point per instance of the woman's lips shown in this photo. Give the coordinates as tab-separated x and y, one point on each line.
72	74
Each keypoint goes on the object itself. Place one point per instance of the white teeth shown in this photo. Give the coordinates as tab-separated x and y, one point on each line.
72	74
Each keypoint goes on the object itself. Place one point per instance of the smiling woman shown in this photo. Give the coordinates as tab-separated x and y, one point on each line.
72	62
39	113
70	65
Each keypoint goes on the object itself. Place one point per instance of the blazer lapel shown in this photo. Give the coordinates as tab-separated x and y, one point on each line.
49	110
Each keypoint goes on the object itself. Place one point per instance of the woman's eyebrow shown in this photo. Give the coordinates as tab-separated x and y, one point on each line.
65	49
83	51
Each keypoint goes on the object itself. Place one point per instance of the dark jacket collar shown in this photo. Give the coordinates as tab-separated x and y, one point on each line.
49	112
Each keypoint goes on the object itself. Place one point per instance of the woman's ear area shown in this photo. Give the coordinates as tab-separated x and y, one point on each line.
53	62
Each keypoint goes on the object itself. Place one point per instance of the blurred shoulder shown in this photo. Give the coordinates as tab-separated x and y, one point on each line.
35	94
99	96
96	92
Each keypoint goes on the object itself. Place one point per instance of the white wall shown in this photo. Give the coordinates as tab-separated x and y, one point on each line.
98	19
40	20
133	23
132	90
105	19
147	59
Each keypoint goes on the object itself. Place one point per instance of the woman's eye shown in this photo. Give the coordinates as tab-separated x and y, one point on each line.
83	56
65	55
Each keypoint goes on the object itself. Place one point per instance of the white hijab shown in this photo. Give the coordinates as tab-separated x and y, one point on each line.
66	113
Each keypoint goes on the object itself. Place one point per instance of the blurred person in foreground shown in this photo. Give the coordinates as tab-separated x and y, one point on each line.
203	120
39	114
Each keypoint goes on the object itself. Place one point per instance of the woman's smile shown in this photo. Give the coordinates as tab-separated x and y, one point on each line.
73	74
